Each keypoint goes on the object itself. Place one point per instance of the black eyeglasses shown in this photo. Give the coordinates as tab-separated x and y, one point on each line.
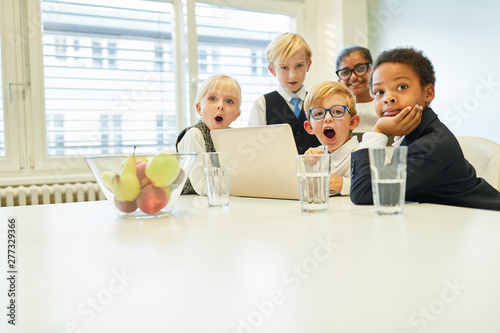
359	70
336	111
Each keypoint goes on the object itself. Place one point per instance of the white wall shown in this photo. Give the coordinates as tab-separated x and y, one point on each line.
322	30
329	26
461	38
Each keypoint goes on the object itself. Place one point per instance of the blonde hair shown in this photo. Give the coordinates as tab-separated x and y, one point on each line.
281	48
321	91
224	82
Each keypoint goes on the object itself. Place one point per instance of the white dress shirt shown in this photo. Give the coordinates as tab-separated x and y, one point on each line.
341	163
378	140
258	112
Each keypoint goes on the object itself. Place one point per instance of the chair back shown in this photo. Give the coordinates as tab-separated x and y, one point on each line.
484	155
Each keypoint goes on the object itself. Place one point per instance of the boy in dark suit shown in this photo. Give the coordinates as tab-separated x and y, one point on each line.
402	83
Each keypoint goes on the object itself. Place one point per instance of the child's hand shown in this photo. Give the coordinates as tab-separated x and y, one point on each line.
402	124
336	183
313	151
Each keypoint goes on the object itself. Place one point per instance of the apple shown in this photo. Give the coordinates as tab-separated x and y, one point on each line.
125	206
152	199
162	169
141	173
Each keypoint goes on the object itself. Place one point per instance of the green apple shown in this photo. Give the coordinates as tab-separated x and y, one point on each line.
162	169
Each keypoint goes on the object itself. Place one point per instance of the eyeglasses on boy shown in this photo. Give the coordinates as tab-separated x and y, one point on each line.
336	111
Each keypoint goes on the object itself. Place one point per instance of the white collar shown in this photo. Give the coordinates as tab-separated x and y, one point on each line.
288	95
398	140
344	151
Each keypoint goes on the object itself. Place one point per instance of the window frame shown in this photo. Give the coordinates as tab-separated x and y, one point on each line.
13	164
27	161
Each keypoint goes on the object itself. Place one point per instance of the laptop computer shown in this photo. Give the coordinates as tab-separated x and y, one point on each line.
262	160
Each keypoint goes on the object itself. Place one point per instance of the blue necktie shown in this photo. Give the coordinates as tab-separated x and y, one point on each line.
295	101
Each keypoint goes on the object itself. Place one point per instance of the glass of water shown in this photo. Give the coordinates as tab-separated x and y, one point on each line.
313	172
388	180
217	175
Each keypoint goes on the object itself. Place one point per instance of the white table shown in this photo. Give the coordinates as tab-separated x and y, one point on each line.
259	266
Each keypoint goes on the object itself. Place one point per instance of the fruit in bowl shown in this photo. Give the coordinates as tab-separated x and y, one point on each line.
142	185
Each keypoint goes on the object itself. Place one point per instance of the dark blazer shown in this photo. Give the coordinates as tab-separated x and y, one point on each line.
437	171
278	112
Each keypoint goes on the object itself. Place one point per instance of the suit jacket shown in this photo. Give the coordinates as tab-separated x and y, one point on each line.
437	171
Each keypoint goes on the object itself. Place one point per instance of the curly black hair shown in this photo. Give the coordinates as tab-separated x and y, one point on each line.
410	57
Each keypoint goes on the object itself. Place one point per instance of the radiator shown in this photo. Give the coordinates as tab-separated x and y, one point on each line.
48	194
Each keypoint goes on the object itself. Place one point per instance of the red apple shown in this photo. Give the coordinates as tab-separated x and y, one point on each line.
151	199
125	206
141	173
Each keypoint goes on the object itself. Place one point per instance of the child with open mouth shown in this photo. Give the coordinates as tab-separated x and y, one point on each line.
331	117
218	103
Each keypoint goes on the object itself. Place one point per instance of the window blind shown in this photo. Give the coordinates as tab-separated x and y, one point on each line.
233	41
108	76
109	79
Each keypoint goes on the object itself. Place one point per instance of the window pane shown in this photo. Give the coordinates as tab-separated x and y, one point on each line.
234	41
2	131
108	70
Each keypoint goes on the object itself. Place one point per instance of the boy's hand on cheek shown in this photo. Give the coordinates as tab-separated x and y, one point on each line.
409	119
402	124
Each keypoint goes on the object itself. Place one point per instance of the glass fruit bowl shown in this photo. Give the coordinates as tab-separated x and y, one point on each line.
142	186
